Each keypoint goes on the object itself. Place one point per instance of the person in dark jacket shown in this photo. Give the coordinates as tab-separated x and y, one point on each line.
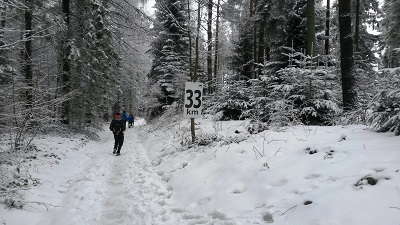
131	121
118	127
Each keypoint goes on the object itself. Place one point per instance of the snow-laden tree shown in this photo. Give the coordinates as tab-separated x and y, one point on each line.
170	49
242	58
94	61
385	105
293	95
28	68
391	30
38	47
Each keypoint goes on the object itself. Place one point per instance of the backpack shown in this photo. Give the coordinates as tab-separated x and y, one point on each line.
117	126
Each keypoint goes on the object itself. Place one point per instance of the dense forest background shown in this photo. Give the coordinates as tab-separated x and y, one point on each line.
69	64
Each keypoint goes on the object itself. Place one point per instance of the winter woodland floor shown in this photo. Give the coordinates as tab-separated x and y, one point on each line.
301	175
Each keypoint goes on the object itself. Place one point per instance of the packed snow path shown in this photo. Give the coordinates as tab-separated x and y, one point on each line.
114	189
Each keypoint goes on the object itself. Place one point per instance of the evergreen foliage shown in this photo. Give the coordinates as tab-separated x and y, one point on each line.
385	105
391	30
93	42
95	64
293	95
242	58
170	50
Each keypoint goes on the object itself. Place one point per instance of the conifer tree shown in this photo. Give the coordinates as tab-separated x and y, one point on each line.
170	50
94	62
242	59
391	30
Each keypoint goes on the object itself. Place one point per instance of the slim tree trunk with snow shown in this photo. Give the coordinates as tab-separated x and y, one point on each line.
310	27
209	46
327	26
357	26
190	43
261	42
216	48
28	54
65	68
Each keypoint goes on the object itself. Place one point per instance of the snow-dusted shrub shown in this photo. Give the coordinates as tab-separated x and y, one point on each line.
256	127
230	102
385	106
291	96
202	139
306	95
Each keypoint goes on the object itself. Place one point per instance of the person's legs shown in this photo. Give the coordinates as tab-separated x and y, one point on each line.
115	144
120	143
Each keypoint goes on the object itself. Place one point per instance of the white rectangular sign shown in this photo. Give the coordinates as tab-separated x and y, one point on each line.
193	100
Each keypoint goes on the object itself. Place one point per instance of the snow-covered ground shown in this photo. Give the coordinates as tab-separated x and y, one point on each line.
303	175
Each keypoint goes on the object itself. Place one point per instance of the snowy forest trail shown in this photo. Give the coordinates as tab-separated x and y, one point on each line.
113	189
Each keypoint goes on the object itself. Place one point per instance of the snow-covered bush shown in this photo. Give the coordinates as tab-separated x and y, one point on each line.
305	95
385	105
291	96
230	102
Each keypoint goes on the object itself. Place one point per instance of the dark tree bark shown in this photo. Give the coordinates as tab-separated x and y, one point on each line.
190	44
346	56
310	27
261	42
3	56
216	48
357	26
209	47
28	54
253	5
2	24
65	73
327	28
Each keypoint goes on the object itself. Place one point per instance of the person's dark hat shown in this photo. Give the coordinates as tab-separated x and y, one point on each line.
117	113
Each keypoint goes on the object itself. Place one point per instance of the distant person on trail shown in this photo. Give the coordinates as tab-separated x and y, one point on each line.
118	127
124	116
131	121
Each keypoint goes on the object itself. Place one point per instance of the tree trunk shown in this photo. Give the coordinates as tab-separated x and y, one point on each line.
196	66
253	5
2	25
28	55
65	73
310	27
190	44
196	61
346	56
261	42
209	47
357	26
216	48
3	54
327	28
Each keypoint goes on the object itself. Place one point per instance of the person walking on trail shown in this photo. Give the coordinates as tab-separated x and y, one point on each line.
118	127
131	121
124	116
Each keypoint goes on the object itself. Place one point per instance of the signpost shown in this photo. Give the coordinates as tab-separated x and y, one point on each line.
193	103
193	100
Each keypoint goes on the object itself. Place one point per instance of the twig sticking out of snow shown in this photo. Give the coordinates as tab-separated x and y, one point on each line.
393	207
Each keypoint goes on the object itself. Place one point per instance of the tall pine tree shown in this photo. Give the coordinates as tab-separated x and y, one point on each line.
170	50
391	30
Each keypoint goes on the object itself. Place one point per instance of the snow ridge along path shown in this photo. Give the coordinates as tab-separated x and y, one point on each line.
114	189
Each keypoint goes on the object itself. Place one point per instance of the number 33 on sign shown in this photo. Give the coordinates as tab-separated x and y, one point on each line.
193	100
